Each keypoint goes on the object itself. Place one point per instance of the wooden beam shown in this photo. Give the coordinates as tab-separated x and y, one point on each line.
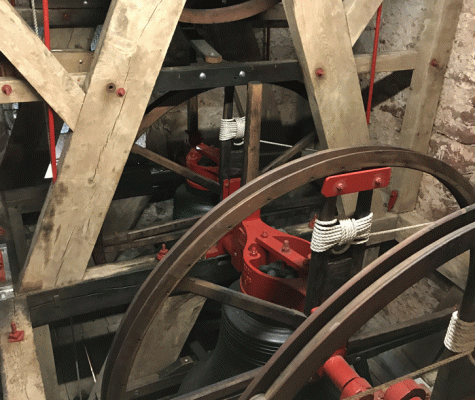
252	135
323	45
358	15
179	169
44	350
131	52
20	371
426	86
41	69
23	92
387	62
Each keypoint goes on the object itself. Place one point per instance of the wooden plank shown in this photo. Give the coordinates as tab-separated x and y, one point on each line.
74	61
387	62
426	86
21	374
44	351
179	169
252	134
71	61
131	52
40	68
162	346
358	15
323	43
66	16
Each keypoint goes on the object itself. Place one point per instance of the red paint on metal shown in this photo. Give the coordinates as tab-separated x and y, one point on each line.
345	378
252	244
121	92
16	335
407	389
373	63
354	182
392	199
193	158
230	186
7	89
52	138
320	72
162	252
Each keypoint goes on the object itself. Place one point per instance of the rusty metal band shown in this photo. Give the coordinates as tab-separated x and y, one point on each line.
161	282
335	333
226	14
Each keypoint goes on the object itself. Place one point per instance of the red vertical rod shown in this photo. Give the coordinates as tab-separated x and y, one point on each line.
373	62
52	139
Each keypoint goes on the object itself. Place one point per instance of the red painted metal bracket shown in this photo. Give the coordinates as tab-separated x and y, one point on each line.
354	182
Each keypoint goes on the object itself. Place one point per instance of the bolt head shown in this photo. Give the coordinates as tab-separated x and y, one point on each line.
340	186
242	74
202	76
7	89
121	92
264	234
320	72
378	182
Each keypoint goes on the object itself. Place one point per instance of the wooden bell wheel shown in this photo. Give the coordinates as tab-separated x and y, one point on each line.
171	272
230	13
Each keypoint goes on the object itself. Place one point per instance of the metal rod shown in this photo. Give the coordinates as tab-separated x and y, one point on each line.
75	357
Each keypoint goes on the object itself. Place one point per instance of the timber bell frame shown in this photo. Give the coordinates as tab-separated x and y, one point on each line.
130	54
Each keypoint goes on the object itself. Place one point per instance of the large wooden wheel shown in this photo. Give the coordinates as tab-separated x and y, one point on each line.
171	271
231	13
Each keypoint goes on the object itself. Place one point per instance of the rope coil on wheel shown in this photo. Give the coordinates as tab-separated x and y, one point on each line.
232	128
327	234
460	336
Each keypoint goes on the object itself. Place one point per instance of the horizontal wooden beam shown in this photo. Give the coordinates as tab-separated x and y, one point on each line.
23	91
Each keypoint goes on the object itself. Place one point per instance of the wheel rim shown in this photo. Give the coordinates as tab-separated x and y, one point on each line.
226	14
229	213
339	329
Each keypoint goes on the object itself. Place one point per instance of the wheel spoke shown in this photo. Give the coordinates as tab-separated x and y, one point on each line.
243	301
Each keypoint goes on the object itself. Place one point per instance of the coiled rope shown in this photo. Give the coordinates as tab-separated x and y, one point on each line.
327	234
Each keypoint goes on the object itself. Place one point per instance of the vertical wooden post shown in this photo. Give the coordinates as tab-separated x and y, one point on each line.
252	135
322	41
20	371
426	86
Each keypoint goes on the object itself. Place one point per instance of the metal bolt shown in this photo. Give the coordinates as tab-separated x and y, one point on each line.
320	72
286	247
242	74
110	87
235	254
85	2
264	234
7	89
378	182
202	76
81	61
121	92
340	186
434	63
253	250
